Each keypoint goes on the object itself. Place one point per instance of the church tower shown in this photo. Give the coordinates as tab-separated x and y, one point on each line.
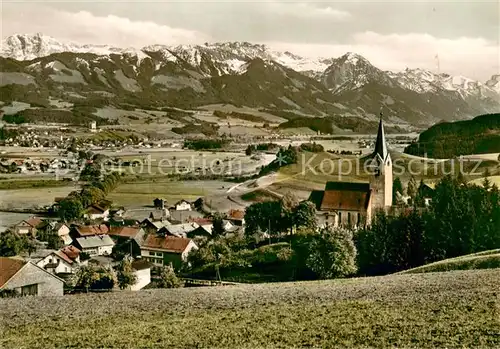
381	165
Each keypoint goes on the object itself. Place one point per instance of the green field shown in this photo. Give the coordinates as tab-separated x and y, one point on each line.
143	192
33	197
313	170
33	183
481	260
453	309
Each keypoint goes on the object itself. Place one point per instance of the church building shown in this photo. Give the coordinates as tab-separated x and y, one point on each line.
354	204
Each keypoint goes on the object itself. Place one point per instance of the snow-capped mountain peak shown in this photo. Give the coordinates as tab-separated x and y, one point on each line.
351	71
494	83
27	47
354	58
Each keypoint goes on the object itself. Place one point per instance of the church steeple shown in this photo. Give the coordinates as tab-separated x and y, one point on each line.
381	179
380	144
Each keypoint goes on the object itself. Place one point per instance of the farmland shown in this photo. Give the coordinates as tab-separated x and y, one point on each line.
451	309
142	193
32	197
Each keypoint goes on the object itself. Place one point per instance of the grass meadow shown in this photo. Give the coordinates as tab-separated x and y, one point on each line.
481	260
428	310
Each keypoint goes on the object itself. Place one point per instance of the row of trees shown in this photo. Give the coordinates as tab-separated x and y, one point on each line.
252	148
72	207
277	217
461	219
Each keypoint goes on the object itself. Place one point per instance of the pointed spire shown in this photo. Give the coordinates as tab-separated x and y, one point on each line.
380	144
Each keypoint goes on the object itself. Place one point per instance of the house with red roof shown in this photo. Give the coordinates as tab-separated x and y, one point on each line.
79	231
237	217
166	250
63	261
128	239
28	226
28	279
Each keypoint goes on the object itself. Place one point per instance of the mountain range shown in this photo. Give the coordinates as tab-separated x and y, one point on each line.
38	68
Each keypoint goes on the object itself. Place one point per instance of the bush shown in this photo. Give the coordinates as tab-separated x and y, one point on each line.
312	147
168	279
204	144
92	277
125	274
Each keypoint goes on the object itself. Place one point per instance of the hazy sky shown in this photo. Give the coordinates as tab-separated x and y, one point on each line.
392	34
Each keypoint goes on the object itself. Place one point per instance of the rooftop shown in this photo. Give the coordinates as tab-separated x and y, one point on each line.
95	241
8	268
126	232
342	196
167	244
88	230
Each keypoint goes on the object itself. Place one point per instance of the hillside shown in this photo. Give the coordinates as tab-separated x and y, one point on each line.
447	140
453	309
481	260
46	73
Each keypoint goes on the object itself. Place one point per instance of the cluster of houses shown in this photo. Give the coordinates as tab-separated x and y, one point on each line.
33	166
165	237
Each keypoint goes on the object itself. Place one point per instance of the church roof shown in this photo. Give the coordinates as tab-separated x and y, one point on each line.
342	196
381	144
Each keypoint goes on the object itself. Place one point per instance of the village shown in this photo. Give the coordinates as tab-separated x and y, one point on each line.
103	235
164	237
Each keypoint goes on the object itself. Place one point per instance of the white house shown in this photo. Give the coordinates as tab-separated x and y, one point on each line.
96	245
58	262
97	212
62	230
142	270
183	205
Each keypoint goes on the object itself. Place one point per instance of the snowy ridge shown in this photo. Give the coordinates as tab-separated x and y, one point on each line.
423	81
348	72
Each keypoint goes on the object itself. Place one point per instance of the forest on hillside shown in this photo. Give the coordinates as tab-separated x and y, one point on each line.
450	139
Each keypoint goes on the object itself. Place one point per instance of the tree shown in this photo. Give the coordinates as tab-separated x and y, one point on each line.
486	180
304	215
249	150
54	241
412	188
94	278
218	225
332	254
288	203
397	187
12	244
125	274
420	197
264	217
70	209
168	279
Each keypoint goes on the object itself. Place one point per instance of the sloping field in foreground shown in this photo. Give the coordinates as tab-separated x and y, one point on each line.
451	309
481	260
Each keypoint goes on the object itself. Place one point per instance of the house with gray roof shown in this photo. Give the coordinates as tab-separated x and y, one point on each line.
96	245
